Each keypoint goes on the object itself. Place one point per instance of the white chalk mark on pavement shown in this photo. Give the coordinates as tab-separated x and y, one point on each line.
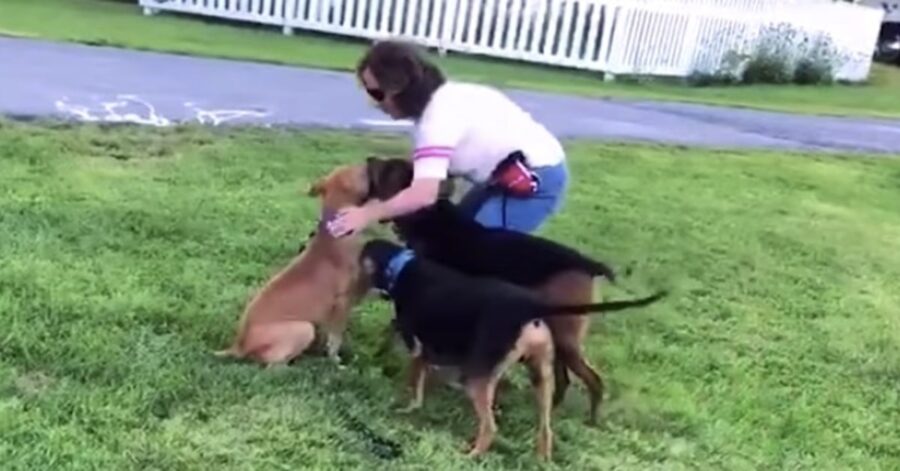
216	117
124	109
82	112
133	109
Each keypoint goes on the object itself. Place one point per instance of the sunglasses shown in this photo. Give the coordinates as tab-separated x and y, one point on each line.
376	94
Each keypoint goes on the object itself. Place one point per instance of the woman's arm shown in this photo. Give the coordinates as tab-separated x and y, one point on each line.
420	193
437	136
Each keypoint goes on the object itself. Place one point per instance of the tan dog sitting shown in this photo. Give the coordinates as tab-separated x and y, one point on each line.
318	288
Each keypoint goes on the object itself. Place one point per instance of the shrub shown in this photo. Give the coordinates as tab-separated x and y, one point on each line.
771	59
767	68
726	74
781	54
818	62
810	72
706	79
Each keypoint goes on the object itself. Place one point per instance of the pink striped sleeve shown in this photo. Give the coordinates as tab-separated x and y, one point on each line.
431	161
427	152
437	136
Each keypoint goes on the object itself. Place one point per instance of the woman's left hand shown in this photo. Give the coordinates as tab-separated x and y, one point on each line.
349	220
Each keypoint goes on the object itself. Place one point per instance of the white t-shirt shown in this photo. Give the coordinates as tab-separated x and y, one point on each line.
467	129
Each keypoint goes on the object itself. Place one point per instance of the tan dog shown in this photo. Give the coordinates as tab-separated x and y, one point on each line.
318	288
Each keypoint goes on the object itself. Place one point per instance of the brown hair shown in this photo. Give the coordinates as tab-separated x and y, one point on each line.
402	71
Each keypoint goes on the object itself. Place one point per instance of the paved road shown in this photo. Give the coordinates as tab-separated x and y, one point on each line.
96	83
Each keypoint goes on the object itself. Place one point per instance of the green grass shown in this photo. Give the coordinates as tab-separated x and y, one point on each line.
128	254
121	24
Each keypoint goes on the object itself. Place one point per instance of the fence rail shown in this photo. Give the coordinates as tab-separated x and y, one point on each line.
634	37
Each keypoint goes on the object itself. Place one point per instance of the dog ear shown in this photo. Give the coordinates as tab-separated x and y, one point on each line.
397	175
374	166
317	188
387	177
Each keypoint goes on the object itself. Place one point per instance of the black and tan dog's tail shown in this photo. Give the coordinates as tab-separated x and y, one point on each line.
607	306
599	268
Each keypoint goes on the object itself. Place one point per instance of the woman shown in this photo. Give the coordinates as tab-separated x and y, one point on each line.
517	166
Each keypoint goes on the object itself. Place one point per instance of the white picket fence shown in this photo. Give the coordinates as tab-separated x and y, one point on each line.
633	37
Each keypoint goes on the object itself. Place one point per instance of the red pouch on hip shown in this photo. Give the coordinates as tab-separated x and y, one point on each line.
515	177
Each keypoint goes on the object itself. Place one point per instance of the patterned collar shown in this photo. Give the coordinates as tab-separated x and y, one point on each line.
325	218
395	266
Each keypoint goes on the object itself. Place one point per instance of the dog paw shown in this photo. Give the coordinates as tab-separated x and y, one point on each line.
473	451
337	360
412	407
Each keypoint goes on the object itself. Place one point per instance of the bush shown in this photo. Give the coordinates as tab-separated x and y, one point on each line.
706	79
770	61
725	75
818	63
811	72
781	54
767	68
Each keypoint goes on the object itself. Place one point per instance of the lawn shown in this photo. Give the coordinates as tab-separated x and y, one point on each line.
121	24
128	254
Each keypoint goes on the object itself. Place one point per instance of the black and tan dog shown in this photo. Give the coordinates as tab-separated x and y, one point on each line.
560	274
481	325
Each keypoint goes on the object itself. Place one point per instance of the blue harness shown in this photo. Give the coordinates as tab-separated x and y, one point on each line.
395	266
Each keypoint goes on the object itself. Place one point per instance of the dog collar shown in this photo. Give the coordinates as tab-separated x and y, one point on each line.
395	266
325	218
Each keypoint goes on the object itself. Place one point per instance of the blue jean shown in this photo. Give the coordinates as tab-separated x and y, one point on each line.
522	214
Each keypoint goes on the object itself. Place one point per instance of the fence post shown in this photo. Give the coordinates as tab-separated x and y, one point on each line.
611	50
446	38
690	47
289	12
148	10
